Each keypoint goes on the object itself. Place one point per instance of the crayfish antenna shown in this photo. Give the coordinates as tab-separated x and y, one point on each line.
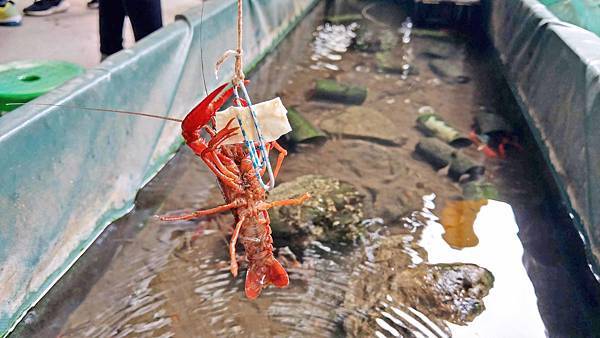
259	277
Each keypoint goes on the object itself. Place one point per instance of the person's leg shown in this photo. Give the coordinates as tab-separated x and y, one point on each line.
145	16
112	16
46	7
9	16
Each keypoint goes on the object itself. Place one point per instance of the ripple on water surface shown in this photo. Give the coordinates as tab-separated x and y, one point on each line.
181	290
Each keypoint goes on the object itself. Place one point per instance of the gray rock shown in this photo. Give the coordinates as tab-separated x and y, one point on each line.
450	71
371	41
363	123
441	292
389	63
333	213
492	123
440	50
453	292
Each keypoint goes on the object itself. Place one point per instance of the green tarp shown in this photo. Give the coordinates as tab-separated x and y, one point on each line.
583	13
65	174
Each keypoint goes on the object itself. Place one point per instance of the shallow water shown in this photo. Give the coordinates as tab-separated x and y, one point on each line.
144	278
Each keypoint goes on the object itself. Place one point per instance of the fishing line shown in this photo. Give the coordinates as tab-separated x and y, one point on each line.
366	15
201	49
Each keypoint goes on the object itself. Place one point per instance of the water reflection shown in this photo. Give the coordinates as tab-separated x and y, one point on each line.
408	318
511	306
331	41
407	51
458	218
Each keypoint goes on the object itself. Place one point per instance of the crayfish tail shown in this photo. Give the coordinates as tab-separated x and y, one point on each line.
277	274
259	277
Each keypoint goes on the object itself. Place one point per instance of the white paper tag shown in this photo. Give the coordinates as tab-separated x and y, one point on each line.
272	120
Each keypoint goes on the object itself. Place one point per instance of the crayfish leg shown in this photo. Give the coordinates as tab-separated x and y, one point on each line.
200	213
224	134
236	232
282	154
292	201
221	176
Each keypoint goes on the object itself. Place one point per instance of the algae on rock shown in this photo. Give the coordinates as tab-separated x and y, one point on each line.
333	213
331	90
456	290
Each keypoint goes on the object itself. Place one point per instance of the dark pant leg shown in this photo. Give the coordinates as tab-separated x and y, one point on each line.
145	16
112	17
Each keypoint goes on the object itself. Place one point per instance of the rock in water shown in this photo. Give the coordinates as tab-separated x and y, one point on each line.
364	123
372	41
440	50
389	63
449	71
334	212
441	292
434	34
456	291
492	123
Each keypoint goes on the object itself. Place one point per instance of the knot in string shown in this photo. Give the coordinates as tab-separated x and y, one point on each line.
238	74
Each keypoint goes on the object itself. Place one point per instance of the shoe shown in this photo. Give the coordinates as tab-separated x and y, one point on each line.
92	4
9	16
46	7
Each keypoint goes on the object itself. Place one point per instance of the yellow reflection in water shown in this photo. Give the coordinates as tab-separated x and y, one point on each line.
458	217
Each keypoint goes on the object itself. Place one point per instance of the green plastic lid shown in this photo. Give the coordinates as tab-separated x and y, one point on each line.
23	81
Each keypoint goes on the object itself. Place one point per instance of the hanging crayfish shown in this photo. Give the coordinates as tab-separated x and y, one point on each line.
244	195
